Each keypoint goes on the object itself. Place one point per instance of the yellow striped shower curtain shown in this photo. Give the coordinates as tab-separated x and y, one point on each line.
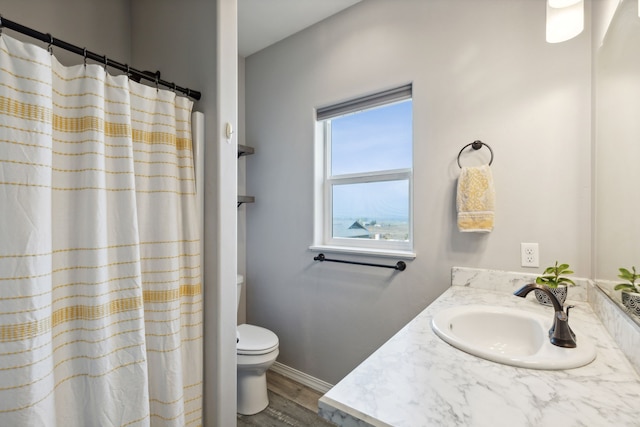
100	282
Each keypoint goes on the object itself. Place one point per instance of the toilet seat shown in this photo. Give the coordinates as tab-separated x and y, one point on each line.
254	340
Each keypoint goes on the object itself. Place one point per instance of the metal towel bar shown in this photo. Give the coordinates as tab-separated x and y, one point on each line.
400	265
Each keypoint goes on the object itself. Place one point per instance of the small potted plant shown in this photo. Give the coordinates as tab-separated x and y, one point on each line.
630	290
552	278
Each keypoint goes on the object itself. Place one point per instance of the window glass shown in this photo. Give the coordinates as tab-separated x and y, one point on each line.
371	210
372	140
365	186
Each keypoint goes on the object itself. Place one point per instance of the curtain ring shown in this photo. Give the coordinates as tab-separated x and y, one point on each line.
84	55
157	79
128	73
50	47
174	88
106	60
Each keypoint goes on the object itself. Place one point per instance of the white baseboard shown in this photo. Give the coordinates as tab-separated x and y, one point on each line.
301	377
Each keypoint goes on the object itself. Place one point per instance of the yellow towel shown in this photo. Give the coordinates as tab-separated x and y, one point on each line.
475	199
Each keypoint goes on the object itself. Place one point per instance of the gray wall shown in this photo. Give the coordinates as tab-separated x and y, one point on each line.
83	23
242	190
480	70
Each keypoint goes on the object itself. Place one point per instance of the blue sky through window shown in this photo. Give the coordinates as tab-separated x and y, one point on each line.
372	140
385	200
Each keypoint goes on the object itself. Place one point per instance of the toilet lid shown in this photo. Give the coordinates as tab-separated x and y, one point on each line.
255	340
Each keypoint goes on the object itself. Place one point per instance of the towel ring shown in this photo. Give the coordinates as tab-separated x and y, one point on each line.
476	145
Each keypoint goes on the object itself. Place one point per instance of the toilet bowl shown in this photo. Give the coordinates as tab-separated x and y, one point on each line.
257	350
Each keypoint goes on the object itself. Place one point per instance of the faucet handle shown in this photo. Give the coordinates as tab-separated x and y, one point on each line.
569	307
570	330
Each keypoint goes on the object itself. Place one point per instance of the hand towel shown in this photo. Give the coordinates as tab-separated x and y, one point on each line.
475	199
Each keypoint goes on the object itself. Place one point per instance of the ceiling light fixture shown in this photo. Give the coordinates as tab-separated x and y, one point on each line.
565	19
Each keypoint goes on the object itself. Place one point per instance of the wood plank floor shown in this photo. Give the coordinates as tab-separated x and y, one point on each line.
294	391
291	404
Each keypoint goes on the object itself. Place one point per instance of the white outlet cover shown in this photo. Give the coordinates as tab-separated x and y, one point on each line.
529	255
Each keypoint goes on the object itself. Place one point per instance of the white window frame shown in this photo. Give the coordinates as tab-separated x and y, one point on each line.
325	182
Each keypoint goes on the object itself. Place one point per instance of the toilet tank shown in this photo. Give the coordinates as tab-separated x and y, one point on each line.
240	281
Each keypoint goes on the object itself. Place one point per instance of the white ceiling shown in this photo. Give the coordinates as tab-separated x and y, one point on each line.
262	23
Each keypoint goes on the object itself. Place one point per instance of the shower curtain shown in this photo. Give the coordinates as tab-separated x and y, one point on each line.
100	282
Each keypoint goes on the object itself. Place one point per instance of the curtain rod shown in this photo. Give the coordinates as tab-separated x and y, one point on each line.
131	72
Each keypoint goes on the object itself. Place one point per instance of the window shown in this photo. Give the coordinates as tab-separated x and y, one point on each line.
364	173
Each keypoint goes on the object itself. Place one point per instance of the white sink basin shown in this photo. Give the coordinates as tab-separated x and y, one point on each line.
509	336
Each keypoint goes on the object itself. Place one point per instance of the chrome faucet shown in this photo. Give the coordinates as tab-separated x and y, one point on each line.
560	333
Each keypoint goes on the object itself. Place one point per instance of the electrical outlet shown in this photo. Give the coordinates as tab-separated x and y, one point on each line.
529	254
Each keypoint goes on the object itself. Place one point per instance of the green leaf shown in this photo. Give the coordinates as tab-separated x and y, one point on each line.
566	280
625	274
624	287
562	267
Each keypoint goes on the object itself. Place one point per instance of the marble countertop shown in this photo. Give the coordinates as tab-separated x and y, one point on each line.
416	379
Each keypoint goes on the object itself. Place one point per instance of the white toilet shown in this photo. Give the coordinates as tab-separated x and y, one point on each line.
257	349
